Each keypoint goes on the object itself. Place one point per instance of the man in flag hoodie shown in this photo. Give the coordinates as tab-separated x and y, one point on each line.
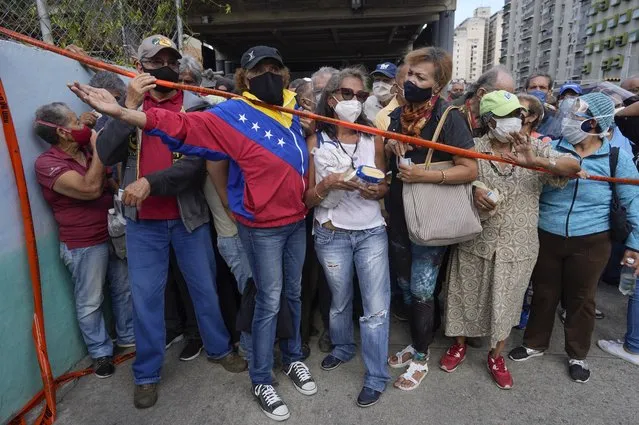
268	175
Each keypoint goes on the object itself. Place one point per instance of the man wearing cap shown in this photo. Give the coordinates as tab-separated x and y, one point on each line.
569	90
165	207
267	182
384	89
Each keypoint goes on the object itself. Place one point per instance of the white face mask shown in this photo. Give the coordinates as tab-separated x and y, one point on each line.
348	110
571	131
505	126
382	91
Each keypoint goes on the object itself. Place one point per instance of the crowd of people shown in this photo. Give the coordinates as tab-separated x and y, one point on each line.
241	220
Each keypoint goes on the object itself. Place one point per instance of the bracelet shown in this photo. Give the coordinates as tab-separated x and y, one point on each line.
443	177
317	193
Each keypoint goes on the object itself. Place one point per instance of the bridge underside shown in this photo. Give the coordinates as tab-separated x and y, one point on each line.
310	33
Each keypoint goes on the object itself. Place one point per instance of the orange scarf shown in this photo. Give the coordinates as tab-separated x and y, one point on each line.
415	116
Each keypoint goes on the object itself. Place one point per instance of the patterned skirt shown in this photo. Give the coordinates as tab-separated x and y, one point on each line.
484	297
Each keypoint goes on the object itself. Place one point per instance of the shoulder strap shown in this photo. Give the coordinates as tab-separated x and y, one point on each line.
438	130
614	159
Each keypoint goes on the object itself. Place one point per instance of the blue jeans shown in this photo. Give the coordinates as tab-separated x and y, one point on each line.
632	334
338	251
90	267
424	270
233	253
276	256
148	250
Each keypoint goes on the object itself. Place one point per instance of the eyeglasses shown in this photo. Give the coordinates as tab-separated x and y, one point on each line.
348	94
159	63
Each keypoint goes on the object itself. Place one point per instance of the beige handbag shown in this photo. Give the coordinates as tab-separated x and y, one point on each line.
439	215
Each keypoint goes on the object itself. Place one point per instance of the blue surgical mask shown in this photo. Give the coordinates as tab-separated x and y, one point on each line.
541	95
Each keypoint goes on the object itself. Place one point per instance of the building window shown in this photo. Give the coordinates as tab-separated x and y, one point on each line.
601	26
635	14
612	21
625	17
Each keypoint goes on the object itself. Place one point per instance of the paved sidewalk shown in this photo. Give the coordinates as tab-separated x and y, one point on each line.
199	392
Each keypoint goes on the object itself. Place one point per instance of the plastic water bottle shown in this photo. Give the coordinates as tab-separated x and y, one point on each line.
627	279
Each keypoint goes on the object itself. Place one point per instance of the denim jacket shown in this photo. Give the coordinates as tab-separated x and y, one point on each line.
583	207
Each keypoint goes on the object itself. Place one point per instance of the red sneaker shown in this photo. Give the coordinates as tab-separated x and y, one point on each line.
453	357
500	373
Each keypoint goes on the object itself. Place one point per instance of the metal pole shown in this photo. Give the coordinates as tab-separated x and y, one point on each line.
180	28
45	22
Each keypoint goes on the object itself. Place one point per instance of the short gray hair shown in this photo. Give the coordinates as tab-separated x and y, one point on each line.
488	80
108	81
324	71
190	65
56	113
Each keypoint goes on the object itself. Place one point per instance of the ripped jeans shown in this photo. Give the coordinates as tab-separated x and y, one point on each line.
367	250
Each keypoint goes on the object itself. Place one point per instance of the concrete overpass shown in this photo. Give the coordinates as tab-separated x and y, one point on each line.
312	33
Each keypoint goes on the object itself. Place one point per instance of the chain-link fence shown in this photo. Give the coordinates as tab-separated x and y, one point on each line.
108	29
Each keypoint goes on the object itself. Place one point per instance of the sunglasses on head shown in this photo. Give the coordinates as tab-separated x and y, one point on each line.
348	94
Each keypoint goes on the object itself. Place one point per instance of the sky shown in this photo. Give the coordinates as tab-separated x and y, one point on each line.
465	8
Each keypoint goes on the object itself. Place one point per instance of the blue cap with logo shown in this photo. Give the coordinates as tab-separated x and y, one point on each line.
571	86
387	69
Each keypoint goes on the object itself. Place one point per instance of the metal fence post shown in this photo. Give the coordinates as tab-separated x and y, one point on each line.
45	22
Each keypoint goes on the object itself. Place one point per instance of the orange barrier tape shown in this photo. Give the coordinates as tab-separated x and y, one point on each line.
370	130
48	415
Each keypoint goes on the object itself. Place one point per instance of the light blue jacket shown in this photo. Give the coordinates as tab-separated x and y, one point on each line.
583	206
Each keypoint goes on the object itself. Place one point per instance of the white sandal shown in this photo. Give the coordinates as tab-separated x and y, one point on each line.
408	376
400	355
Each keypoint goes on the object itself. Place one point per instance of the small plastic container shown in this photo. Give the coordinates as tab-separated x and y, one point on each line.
365	175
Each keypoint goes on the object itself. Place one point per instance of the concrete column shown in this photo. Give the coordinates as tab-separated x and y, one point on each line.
228	67
219	61
446	30
434	30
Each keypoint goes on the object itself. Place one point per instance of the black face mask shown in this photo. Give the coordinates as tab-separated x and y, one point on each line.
165	73
455	95
268	87
414	94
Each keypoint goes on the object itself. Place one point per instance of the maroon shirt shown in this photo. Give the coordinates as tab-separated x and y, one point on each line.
155	156
81	223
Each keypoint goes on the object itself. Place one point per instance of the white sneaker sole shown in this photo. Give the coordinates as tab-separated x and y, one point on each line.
306	392
278	418
530	356
174	341
193	357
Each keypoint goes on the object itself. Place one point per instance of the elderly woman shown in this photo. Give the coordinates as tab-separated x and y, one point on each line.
73	181
533	114
190	71
429	71
574	235
488	276
351	234
267	182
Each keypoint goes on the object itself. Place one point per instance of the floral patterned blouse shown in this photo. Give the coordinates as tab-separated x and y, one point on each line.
511	233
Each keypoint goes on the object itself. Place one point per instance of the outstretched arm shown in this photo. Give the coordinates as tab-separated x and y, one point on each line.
102	101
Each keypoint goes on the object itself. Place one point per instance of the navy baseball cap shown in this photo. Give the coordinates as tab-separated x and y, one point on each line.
255	54
387	68
571	86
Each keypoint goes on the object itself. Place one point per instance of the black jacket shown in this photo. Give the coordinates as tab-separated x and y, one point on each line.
117	142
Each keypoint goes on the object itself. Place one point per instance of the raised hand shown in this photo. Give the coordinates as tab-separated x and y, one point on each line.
99	99
138	87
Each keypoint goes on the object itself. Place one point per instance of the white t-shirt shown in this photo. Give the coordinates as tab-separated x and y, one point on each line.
354	212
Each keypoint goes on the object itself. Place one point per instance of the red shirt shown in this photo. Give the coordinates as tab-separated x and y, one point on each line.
155	156
81	223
